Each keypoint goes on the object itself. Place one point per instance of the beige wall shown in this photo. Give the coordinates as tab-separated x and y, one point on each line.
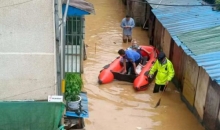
165	42
190	77
201	92
27	49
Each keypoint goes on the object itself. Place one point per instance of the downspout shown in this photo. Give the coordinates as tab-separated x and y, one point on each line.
63	25
57	44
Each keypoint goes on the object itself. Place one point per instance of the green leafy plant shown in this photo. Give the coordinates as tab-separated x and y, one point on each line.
73	86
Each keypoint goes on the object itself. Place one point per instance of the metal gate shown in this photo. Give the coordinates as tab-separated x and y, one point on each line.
74	44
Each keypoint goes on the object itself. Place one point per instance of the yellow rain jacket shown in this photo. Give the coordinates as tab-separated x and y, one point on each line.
165	72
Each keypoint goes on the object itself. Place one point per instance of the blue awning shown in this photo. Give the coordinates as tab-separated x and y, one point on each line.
72	11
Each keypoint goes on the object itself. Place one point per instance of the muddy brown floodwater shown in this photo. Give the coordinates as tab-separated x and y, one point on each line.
116	106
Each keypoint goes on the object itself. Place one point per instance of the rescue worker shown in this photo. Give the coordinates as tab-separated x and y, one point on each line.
134	46
165	72
132	57
127	24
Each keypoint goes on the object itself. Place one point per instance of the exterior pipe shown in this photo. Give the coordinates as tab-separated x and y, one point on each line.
65	13
57	45
63	24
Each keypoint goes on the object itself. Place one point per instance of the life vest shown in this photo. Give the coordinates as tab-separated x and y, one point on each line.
165	72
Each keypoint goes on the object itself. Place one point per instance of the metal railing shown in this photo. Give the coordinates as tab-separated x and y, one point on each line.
74	44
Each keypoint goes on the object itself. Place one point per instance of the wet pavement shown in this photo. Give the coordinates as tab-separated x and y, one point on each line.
116	106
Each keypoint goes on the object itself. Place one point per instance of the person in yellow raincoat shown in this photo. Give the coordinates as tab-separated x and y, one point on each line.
165	72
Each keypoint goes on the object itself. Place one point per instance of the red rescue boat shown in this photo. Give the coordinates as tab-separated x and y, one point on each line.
106	75
141	81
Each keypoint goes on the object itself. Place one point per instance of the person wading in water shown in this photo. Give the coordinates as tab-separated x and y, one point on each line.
127	24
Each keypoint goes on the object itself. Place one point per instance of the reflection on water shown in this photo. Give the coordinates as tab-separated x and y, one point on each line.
117	106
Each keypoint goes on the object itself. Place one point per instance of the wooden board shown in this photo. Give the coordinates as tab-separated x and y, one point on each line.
201	92
166	42
190	78
212	107
158	32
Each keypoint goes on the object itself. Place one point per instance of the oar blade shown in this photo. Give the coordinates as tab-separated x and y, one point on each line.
158	103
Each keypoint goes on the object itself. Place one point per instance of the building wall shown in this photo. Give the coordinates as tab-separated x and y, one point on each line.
147	15
151	25
158	34
137	9
211	113
166	42
177	58
201	91
58	21
27	49
190	76
218	121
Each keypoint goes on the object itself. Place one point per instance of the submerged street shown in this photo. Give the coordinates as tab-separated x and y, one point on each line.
117	106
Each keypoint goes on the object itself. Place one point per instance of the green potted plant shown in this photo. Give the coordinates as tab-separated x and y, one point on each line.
72	91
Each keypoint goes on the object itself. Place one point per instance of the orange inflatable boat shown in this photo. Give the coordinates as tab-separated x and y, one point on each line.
106	75
140	82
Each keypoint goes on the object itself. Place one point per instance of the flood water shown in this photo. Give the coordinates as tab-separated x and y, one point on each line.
116	106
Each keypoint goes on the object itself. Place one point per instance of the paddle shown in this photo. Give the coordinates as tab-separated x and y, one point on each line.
158	103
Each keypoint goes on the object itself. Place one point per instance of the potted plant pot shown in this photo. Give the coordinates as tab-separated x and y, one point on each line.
73	88
74	105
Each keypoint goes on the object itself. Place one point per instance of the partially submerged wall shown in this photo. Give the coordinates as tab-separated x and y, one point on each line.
27	49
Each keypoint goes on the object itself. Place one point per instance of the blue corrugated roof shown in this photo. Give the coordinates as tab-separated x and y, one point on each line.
182	20
178	20
202	41
203	46
211	63
173	2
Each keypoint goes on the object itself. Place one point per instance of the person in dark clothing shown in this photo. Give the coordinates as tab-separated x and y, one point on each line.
165	72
